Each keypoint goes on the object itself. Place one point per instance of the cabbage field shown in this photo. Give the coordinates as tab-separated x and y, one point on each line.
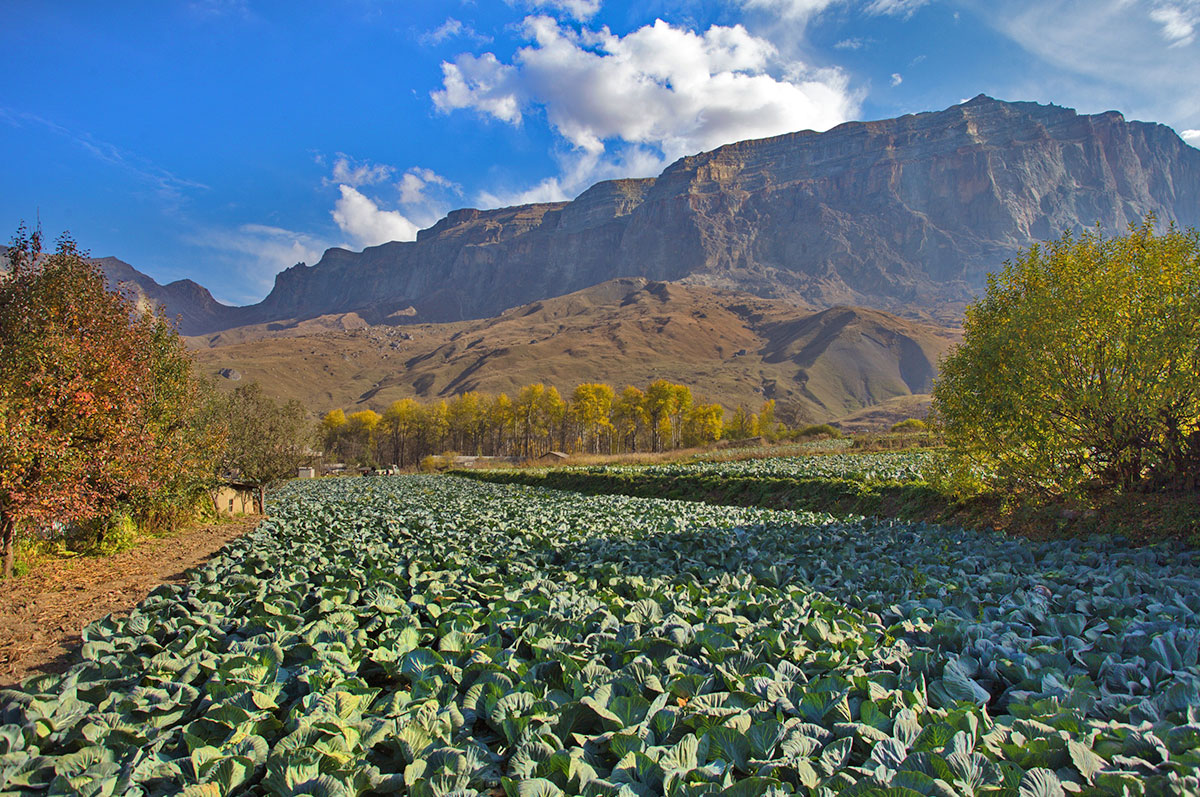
437	636
899	466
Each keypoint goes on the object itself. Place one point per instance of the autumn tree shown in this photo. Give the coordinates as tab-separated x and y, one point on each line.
768	427
463	417
528	409
660	397
629	416
554	412
703	424
742	425
77	382
361	430
591	405
402	424
333	430
267	441
435	423
1080	367
502	419
537	409
666	404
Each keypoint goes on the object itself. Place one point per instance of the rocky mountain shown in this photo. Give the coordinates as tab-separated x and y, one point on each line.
729	347
905	214
189	303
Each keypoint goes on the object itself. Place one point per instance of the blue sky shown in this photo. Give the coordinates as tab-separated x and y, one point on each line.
225	140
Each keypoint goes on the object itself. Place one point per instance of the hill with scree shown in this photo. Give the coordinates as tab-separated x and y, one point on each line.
730	347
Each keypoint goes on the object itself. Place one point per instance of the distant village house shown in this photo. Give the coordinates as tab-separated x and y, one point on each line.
236	498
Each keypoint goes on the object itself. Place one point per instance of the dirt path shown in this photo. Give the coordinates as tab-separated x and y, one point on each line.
42	613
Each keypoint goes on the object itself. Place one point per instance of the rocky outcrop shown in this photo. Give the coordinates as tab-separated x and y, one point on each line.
907	215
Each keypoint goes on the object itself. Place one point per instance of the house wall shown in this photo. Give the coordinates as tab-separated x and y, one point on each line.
235	501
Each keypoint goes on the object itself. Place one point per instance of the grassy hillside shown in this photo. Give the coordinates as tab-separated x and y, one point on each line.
730	347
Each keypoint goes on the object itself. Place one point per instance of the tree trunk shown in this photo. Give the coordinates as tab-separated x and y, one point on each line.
262	499
8	536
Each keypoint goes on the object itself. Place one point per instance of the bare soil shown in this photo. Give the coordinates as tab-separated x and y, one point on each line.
43	612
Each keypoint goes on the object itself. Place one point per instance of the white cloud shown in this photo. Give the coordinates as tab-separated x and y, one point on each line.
804	10
482	83
1178	22
219	8
853	43
416	181
579	9
426	195
260	252
662	87
895	8
359	217
897	79
347	171
452	29
448	30
795	10
1191	136
578	170
172	189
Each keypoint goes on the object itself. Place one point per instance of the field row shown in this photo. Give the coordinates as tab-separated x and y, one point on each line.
434	636
906	466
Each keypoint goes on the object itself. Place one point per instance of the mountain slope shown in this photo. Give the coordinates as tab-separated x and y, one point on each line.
188	302
729	347
905	214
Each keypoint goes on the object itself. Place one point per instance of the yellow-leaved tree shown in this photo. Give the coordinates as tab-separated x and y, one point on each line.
1080	368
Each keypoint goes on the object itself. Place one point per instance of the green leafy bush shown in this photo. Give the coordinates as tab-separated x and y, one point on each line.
817	430
910	425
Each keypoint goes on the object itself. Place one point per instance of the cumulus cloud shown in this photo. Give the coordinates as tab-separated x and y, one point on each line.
660	87
367	224
897	79
1191	136
482	83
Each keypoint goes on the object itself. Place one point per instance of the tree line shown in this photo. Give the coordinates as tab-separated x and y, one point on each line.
103	417
592	419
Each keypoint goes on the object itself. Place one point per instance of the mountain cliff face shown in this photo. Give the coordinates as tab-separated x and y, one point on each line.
907	215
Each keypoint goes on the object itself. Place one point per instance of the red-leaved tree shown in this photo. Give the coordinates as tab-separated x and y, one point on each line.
76	378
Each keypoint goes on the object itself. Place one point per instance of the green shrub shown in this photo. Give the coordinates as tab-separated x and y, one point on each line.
910	425
119	533
817	430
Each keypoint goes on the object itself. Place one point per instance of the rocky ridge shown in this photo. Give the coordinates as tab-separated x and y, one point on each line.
905	214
